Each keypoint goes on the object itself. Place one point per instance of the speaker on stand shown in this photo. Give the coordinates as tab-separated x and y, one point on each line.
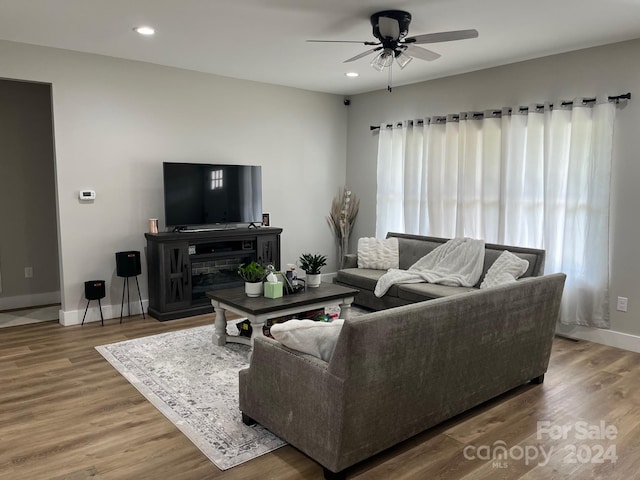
94	290
128	265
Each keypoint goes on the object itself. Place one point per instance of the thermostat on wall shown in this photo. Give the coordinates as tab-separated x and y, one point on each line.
87	195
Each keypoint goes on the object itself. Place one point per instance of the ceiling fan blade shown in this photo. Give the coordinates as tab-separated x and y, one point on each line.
422	53
344	41
442	36
389	28
363	54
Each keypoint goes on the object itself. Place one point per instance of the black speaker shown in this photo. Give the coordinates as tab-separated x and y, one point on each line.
94	289
128	264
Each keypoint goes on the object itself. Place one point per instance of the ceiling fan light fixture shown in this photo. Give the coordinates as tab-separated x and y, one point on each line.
390	30
383	60
403	59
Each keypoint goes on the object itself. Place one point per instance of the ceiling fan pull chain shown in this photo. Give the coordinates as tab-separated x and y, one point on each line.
389	83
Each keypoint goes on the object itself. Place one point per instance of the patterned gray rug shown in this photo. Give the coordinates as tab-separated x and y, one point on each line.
195	385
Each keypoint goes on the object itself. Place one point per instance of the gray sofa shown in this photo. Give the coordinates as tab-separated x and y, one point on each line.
397	372
412	248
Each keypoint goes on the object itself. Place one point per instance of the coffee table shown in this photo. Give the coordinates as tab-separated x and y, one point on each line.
260	309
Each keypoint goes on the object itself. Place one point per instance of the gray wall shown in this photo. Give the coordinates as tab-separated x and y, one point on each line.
607	70
116	121
28	224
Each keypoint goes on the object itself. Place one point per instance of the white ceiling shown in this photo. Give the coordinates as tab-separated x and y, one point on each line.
264	40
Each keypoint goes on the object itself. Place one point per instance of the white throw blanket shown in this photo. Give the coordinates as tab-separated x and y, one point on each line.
458	262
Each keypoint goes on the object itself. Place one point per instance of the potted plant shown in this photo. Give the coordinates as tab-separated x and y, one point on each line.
253	275
311	264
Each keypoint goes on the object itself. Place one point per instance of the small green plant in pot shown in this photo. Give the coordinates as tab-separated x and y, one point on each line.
253	275
312	264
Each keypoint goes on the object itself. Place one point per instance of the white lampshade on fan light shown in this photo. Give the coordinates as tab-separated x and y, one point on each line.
383	60
403	59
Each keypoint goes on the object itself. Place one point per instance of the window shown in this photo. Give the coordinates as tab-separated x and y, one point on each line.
217	180
538	177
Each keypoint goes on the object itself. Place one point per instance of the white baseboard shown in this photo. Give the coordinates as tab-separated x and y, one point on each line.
328	277
611	338
74	317
32	300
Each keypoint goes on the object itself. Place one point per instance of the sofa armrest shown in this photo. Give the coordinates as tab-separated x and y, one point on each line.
294	396
350	260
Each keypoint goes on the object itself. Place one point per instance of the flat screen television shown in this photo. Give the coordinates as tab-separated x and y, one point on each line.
201	195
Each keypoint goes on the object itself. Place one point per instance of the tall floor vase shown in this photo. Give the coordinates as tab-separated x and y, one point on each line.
343	249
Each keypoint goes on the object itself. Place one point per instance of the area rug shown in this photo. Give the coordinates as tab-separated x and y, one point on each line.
195	385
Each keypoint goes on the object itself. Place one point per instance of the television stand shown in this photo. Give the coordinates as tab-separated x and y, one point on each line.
182	268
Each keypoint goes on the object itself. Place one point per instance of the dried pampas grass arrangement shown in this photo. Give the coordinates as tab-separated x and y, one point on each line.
342	216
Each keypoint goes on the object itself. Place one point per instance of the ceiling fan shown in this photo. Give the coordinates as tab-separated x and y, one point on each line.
390	28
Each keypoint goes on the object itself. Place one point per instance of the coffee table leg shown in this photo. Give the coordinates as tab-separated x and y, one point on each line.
256	330
345	308
220	324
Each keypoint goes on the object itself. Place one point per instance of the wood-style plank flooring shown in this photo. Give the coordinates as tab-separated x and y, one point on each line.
65	413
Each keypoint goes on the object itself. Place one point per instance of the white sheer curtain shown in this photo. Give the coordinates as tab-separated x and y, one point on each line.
390	197
536	177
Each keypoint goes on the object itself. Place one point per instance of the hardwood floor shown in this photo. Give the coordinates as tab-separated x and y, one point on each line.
65	413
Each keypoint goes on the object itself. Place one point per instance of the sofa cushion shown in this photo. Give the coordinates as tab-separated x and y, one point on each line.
506	269
411	250
309	336
491	255
363	279
418	292
377	254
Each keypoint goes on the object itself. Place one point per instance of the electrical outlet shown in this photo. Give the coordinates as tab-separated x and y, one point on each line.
28	272
622	304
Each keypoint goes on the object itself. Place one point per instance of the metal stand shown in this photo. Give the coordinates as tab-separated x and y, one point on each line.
87	308
126	288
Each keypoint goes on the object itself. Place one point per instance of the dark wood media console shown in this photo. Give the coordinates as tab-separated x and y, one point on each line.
183	266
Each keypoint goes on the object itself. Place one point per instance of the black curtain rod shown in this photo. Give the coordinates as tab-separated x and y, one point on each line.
611	98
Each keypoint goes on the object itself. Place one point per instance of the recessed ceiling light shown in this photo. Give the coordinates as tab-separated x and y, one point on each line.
352	74
144	30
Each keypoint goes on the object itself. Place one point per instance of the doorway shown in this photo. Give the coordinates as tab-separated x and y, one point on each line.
29	254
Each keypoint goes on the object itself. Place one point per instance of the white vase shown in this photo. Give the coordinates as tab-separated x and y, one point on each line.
253	289
313	279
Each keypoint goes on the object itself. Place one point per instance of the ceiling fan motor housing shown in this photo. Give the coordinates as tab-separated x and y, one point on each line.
403	18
